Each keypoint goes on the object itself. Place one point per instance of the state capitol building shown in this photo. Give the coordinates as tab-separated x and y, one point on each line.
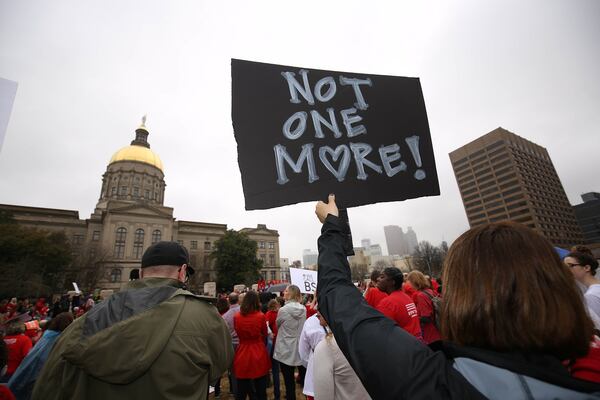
130	216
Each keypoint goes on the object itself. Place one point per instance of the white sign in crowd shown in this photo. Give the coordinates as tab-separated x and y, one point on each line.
305	279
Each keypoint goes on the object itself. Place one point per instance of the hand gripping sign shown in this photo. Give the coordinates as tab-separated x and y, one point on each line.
304	133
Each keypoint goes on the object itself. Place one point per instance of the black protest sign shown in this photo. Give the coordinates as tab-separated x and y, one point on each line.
304	133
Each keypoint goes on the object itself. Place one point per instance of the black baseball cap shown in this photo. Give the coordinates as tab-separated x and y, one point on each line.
167	253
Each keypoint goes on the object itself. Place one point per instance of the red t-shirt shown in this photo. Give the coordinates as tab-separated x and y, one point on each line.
271	317
18	346
6	394
310	311
588	367
425	308
408	289
401	309
374	296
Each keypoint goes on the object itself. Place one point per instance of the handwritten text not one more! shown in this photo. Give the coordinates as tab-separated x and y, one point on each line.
295	126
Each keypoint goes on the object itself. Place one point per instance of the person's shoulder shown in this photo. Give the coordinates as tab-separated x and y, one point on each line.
594	290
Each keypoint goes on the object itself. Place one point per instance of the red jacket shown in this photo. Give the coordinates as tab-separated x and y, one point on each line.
18	346
401	309
251	358
374	296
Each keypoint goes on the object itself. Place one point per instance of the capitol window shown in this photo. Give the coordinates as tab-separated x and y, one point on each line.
120	242
115	275
138	243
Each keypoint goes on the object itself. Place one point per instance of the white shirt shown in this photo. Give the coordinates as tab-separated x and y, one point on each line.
334	377
312	334
592	298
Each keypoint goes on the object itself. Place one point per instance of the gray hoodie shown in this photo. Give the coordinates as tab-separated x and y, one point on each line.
290	320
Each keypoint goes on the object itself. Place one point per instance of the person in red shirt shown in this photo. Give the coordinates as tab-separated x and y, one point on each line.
422	297
271	316
18	346
5	392
251	363
397	306
588	367
374	295
311	306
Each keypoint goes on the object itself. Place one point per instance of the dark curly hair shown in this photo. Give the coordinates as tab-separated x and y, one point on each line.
584	258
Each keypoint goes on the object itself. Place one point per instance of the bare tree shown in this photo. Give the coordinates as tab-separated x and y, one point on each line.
429	258
381	265
358	271
89	266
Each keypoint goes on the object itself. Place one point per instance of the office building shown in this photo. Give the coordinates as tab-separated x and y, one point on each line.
502	176
588	217
309	258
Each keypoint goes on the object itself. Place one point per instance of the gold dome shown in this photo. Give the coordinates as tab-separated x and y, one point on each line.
137	153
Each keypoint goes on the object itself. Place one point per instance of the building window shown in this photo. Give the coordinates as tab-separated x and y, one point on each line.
96	236
136	192
138	243
147	194
123	191
120	242
194	244
115	275
114	190
272	259
271	245
263	257
206	245
180	242
156	236
261	245
77	239
273	275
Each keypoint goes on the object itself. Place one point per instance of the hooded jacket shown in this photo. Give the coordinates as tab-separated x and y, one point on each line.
392	364
152	341
290	320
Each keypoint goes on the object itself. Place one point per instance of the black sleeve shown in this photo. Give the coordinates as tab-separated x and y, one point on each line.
390	362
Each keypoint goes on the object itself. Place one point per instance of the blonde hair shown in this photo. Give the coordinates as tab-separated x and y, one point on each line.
294	292
417	280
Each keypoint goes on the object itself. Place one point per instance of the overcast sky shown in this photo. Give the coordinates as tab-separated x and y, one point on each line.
88	70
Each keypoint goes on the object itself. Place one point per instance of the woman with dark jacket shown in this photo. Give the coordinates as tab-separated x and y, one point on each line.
511	317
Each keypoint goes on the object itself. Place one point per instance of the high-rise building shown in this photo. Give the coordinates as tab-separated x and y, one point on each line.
395	240
309	258
502	176
375	250
588	217
411	239
365	243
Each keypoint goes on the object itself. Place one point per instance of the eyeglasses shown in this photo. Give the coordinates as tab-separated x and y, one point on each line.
574	265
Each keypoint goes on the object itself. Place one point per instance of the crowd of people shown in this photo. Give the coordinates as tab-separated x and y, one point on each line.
509	318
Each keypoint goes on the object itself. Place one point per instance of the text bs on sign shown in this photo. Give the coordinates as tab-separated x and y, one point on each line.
304	133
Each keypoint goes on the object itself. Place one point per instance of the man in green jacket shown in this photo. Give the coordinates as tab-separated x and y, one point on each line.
154	340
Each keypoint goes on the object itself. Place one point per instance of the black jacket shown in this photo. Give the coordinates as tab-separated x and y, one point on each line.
392	364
